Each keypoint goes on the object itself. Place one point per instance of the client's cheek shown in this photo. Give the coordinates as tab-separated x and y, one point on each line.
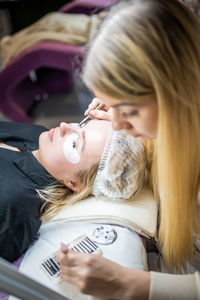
69	149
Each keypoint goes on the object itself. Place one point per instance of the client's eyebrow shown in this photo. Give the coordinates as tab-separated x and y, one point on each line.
84	136
84	141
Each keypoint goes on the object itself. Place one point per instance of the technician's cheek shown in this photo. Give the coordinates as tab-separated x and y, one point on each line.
69	149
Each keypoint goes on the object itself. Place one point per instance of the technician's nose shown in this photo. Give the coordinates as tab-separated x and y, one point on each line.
66	128
119	122
116	123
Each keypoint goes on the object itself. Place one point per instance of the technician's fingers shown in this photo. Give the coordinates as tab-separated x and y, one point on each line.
95	102
63	256
75	269
68	258
63	248
101	115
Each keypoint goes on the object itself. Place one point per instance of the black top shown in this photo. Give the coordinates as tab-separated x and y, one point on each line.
20	175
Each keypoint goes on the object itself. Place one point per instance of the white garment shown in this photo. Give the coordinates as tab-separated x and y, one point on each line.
127	250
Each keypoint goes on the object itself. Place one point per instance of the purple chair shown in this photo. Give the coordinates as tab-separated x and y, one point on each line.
86	6
42	69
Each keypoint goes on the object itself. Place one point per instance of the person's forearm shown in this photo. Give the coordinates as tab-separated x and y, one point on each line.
174	287
135	284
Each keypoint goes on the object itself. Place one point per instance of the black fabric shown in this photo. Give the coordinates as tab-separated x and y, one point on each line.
20	175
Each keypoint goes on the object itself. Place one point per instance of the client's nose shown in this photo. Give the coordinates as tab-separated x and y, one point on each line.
67	128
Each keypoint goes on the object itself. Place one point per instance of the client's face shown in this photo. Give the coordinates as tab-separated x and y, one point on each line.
66	150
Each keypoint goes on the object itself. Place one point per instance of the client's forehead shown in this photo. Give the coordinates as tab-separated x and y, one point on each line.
98	124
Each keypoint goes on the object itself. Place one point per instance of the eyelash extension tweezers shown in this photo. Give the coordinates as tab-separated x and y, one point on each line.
88	117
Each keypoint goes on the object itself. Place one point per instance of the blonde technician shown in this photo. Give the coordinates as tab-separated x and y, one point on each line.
145	65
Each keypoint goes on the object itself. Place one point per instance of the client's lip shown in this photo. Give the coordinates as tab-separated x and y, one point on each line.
51	133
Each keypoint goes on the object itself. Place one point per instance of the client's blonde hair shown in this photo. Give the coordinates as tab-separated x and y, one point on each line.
57	195
147	47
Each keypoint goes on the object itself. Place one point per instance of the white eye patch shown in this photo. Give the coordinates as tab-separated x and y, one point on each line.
69	149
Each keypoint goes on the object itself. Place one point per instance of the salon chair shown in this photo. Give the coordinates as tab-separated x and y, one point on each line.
44	68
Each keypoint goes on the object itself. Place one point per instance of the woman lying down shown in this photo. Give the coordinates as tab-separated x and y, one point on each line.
49	170
64	161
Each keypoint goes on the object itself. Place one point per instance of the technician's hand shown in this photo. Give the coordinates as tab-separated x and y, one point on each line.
105	113
94	275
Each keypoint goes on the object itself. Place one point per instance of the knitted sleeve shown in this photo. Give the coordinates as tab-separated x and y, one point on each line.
174	287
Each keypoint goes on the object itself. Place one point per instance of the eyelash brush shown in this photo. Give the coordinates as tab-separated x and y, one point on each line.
88	117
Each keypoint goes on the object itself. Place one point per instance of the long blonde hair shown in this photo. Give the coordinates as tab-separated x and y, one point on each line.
57	196
152	46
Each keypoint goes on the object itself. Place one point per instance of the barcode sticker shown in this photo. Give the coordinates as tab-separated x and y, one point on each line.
82	244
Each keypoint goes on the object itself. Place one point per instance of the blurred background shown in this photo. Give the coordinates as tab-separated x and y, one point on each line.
48	109
41	84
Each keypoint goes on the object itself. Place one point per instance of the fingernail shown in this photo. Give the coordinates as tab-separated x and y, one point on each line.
63	247
93	112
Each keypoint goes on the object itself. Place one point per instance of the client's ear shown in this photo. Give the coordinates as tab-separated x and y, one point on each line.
74	185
